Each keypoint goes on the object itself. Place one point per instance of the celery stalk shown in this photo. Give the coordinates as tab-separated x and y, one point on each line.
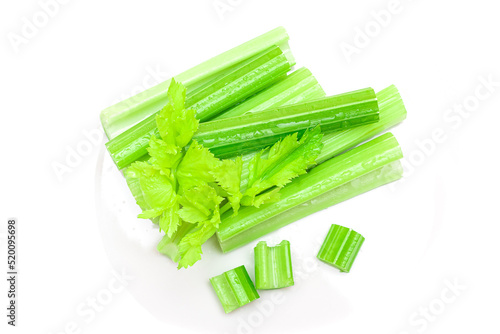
234	288
169	246
252	223
273	266
340	248
250	77
379	177
125	114
297	87
241	134
391	112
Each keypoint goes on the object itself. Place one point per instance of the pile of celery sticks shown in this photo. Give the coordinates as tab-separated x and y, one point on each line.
242	145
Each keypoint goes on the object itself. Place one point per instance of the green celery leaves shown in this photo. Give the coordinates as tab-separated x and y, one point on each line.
270	170
183	184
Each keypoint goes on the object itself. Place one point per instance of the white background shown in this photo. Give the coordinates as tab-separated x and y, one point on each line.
438	225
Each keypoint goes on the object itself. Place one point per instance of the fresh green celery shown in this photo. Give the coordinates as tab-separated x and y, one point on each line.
379	177
391	112
234	288
297	87
249	78
169	246
252	223
340	248
125	114
273	266
241	134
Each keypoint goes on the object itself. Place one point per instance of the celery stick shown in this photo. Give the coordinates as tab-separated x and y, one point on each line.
169	246
234	288
125	114
273	266
391	112
379	177
297	87
252	223
241	134
340	248
249	78
258	73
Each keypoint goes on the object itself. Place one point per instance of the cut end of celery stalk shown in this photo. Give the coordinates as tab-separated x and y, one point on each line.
118	118
340	248
273	266
391	112
234	288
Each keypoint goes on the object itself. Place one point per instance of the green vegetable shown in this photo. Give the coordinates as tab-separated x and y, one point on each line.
270	168
174	182
169	245
379	177
234	288
340	248
237	135
391	111
284	161
252	223
297	87
178	185
273	266
123	115
246	79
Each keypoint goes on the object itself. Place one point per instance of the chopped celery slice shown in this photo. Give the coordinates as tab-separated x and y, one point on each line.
234	288
241	134
244	81
252	223
125	114
273	266
297	87
340	248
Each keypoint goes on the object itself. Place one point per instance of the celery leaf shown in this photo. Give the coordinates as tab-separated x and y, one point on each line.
285	160
228	176
200	204
196	166
176	124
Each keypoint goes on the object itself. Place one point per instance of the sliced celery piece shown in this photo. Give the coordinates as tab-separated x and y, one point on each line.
234	288
340	248
125	114
252	223
297	87
249	78
273	266
241	134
